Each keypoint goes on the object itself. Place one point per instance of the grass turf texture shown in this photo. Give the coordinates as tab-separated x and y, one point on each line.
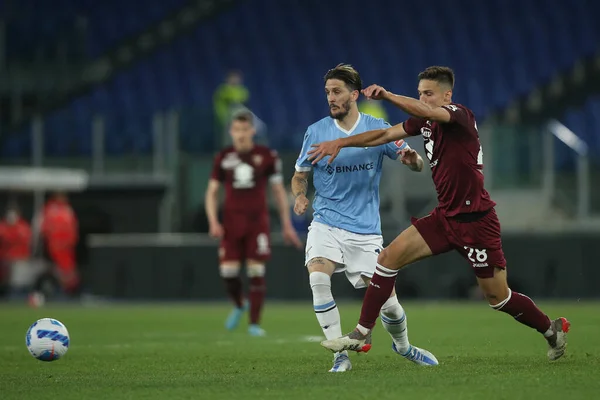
175	351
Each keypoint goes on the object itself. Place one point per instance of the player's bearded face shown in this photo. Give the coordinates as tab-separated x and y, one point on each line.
339	111
339	98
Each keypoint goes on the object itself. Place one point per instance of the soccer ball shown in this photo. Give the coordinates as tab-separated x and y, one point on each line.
47	339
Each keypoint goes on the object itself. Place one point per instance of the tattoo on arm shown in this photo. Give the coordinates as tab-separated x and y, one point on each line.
299	184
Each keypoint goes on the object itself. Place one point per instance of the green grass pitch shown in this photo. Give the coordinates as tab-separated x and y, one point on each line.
181	351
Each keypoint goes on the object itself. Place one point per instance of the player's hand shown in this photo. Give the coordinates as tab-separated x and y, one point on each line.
216	230
408	156
324	149
301	205
375	92
290	237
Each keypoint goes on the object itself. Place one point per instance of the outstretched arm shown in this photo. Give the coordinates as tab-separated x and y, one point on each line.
411	106
366	139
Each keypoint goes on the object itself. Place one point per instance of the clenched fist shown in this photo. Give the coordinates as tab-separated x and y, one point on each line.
301	204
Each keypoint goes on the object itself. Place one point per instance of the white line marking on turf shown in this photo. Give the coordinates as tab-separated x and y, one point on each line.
312	339
115	346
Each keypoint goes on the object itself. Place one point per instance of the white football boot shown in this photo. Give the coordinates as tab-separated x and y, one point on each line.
341	362
417	355
557	343
354	341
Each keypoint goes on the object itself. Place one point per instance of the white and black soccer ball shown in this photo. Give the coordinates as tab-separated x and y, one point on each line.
47	339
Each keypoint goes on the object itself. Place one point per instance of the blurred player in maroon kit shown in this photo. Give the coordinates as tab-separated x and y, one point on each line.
15	242
60	230
245	169
464	220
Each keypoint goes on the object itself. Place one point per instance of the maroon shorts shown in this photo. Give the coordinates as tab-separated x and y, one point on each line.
246	237
477	241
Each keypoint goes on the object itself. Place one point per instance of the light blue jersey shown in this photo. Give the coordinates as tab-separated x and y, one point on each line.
347	191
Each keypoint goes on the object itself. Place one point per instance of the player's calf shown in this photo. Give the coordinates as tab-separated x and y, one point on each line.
524	310
393	319
407	248
320	270
230	274
257	291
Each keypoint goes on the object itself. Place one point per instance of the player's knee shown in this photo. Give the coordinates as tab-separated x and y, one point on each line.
499	304
320	264
496	296
387	259
319	279
229	271
494	286
255	270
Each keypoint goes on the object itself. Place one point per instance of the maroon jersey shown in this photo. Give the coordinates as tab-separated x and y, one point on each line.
245	176
456	160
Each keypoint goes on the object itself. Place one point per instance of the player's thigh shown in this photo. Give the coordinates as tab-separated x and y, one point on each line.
405	249
323	252
257	243
480	243
230	252
426	236
360	255
231	248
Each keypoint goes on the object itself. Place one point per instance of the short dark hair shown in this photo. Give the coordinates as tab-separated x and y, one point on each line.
243	116
439	74
347	74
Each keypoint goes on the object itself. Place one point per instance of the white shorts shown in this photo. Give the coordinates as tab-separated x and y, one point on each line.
353	253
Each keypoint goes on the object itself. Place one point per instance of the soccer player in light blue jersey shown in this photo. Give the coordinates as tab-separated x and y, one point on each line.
345	234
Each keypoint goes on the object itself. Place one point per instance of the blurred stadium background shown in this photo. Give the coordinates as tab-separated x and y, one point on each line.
127	100
124	103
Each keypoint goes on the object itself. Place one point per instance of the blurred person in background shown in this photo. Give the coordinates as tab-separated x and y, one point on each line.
15	250
245	169
373	108
60	234
230	96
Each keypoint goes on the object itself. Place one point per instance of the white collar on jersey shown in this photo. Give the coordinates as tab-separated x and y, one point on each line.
335	121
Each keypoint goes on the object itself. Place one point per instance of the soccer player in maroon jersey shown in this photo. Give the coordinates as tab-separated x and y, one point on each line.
464	220
245	169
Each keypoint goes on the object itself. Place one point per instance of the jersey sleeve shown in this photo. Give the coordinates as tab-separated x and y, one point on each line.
217	172
274	170
302	163
391	149
458	115
412	126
